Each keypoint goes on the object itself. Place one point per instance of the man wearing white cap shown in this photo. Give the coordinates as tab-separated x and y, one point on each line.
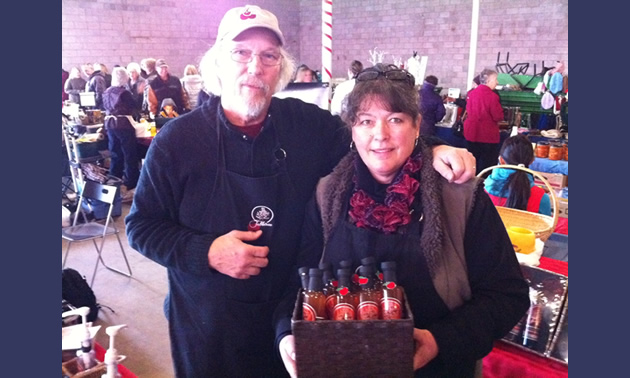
221	199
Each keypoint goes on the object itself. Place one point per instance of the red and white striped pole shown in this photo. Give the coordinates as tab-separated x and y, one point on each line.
326	41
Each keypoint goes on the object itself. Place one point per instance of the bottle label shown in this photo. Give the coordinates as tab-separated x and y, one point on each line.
530	335
308	312
367	310
343	311
331	301
392	308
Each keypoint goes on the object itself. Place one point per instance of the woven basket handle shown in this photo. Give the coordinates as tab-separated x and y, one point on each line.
552	193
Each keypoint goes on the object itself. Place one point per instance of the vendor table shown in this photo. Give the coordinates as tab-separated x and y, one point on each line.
550	166
507	360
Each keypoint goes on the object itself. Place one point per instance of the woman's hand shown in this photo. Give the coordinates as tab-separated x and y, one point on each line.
287	351
454	164
426	348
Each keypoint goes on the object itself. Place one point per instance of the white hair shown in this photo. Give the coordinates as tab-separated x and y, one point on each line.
209	69
119	77
133	66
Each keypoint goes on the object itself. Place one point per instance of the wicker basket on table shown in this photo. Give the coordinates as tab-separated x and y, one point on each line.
542	225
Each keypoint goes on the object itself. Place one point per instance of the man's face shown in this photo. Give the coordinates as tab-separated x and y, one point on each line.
163	72
247	87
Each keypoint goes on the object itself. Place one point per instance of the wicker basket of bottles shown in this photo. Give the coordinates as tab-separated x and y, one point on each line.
353	348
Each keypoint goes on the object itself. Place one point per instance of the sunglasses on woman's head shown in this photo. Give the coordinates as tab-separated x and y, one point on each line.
394	73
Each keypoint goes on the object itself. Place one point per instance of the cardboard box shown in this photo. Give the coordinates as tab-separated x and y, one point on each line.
563	207
556	180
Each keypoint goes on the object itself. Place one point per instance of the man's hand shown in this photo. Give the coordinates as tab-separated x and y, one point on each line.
287	351
229	254
454	164
426	348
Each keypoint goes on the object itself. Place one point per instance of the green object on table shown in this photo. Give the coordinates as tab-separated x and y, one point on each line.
521	81
528	101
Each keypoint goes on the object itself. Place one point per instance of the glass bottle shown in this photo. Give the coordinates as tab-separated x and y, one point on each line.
532	323
354	278
303	272
369	297
515	332
378	276
393	296
330	287
314	303
344	308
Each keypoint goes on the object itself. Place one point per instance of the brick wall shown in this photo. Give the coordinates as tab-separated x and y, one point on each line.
531	31
121	31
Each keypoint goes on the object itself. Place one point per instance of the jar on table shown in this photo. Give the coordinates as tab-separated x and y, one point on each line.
542	149
565	156
556	151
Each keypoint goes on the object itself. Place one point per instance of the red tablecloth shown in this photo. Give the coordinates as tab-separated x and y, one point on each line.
507	360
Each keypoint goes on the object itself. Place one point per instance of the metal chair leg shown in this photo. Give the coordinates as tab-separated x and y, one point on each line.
101	260
66	255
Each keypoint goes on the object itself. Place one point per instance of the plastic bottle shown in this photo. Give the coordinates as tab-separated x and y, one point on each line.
393	296
369	298
111	356
345	308
86	357
314	303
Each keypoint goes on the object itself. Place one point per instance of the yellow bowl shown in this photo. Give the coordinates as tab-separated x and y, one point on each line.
523	239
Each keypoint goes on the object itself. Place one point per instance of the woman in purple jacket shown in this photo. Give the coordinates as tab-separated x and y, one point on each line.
431	106
481	127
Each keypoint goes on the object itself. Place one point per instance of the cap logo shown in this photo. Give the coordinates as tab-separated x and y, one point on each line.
247	14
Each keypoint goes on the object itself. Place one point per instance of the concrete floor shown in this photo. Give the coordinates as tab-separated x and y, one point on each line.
136	302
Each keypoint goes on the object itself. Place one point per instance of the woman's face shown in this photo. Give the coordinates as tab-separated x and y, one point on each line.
383	139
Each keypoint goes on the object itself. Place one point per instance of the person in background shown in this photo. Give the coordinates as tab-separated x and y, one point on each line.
304	75
119	105
74	85
64	78
136	86
514	188
221	199
165	85
192	84
96	83
384	199
481	126
431	106
148	65
143	69
105	71
168	109
342	89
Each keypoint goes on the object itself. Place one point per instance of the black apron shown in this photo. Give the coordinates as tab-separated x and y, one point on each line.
222	326
346	241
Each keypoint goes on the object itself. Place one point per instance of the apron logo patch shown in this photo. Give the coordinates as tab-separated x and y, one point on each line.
262	216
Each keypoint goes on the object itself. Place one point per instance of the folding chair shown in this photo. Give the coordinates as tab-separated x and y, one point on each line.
95	229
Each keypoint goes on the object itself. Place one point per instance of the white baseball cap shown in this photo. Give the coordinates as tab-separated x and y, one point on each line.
237	20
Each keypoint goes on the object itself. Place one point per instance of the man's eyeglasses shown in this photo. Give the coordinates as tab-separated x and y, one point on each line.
246	56
394	73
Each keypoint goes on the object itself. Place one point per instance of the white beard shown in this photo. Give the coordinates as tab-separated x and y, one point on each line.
249	107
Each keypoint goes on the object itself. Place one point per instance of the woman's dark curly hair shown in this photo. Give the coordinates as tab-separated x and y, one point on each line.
397	93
